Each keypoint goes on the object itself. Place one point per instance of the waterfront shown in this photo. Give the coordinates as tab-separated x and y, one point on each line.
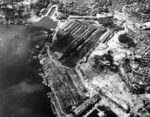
22	93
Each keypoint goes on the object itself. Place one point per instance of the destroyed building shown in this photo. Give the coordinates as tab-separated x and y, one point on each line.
80	39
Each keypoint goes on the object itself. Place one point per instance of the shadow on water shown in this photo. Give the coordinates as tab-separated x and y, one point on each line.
107	111
127	40
22	93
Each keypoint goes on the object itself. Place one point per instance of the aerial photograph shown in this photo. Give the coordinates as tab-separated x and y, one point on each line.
74	58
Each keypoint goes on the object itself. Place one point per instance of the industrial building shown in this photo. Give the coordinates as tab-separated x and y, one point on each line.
80	38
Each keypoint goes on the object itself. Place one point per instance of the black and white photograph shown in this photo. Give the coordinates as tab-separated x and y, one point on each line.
74	58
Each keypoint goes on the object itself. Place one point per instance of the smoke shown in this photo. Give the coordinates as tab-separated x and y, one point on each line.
24	111
22	93
33	18
25	87
1	42
29	1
